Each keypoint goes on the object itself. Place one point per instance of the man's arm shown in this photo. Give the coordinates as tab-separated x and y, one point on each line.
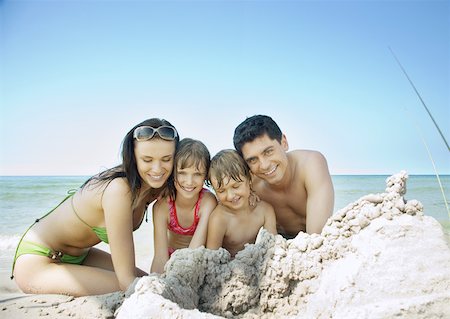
320	200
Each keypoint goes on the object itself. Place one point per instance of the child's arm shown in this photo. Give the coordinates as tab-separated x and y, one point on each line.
217	227
208	204
161	245
270	222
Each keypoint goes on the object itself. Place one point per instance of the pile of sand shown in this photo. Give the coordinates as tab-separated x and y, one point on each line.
378	257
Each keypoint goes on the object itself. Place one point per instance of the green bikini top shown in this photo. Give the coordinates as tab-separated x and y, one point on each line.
99	231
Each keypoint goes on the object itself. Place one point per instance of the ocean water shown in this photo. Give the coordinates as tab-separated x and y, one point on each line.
23	199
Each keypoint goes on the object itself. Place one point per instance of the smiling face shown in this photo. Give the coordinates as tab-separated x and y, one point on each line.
267	158
189	180
154	160
232	194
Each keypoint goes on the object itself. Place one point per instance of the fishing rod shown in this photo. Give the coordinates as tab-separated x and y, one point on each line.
423	139
434	165
420	98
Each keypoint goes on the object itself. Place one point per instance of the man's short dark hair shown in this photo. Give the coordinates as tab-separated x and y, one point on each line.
254	127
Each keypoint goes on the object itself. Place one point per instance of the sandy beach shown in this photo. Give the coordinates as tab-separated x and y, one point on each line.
378	257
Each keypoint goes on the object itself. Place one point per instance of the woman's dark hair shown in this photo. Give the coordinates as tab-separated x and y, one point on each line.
128	168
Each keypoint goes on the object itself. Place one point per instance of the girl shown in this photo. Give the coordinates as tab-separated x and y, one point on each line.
181	219
56	254
238	217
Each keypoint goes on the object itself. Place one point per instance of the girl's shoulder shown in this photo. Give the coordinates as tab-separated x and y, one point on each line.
207	204
208	196
208	201
161	204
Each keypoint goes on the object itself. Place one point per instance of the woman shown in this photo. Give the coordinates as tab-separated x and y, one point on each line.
56	254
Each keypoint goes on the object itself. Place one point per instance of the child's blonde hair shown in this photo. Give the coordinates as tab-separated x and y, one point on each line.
228	164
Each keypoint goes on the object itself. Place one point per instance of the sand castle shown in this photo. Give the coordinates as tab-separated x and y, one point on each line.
378	257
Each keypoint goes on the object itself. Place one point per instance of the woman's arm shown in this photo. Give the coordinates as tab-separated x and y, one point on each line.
207	205
116	203
161	242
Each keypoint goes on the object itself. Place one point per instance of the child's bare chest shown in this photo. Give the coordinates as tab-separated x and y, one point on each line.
243	230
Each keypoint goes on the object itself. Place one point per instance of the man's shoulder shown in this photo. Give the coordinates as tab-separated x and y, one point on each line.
305	153
306	157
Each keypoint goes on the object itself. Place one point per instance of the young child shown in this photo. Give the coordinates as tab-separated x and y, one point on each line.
180	220
237	219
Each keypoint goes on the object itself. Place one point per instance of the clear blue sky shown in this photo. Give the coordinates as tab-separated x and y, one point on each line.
77	75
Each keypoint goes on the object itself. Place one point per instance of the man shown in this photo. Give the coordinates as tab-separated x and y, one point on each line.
297	183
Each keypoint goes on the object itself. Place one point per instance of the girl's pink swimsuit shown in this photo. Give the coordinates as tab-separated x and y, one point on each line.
174	224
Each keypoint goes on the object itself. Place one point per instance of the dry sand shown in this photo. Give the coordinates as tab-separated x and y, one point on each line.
378	257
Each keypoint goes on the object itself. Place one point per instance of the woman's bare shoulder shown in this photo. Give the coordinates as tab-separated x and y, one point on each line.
118	184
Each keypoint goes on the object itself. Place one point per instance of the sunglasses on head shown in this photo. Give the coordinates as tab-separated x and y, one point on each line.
144	133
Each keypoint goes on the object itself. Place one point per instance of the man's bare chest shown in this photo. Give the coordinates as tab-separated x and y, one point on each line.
286	202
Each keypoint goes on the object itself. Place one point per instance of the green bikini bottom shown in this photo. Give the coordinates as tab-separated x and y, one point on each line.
28	247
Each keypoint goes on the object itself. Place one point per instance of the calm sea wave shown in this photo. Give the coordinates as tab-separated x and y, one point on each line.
23	199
